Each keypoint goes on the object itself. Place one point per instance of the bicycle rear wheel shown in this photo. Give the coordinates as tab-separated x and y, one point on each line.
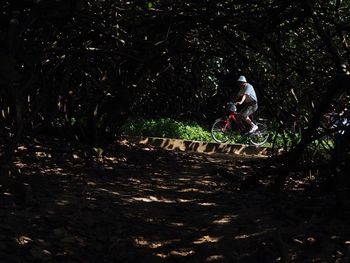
260	136
220	132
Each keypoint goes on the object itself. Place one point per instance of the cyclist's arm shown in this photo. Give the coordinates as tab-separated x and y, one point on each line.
242	99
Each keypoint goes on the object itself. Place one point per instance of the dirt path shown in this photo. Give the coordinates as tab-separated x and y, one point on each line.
148	205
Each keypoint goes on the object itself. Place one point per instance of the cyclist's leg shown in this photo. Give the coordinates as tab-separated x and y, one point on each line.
248	111
245	113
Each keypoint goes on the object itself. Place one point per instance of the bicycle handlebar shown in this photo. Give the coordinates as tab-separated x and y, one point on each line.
232	106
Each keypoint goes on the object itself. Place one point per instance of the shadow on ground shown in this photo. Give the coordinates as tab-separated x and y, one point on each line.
141	204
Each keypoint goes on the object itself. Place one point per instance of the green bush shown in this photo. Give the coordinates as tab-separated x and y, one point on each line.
166	128
169	128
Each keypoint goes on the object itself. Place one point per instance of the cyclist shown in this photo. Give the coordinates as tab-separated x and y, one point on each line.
247	98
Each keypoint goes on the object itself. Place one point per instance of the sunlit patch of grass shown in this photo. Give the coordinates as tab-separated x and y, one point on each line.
166	128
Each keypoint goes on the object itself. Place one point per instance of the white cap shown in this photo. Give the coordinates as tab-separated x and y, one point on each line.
241	79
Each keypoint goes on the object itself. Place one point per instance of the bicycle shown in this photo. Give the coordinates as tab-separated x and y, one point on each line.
228	127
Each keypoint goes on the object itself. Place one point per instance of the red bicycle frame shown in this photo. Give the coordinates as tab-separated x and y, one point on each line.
235	120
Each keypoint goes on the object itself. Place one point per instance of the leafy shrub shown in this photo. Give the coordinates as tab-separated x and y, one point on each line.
166	128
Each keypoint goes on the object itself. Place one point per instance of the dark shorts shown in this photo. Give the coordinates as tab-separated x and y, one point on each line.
248	109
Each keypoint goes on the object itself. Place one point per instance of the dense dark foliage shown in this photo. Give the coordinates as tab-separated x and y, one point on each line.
83	67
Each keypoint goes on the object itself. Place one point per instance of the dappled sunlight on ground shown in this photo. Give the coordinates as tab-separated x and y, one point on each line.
149	206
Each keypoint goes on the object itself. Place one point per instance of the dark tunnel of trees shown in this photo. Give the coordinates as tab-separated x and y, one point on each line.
81	68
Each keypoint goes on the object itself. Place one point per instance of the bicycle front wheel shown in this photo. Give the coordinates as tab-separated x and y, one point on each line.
220	131
260	136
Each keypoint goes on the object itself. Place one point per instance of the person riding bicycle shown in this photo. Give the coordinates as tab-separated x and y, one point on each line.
247	98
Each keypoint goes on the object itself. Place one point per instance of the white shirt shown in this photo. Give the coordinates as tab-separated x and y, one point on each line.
249	91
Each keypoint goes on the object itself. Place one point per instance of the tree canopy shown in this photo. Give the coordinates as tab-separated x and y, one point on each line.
85	66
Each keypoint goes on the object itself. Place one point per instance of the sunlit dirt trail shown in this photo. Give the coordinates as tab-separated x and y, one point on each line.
148	205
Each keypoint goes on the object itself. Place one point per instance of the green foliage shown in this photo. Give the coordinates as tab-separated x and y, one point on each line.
88	64
149	5
285	140
165	128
